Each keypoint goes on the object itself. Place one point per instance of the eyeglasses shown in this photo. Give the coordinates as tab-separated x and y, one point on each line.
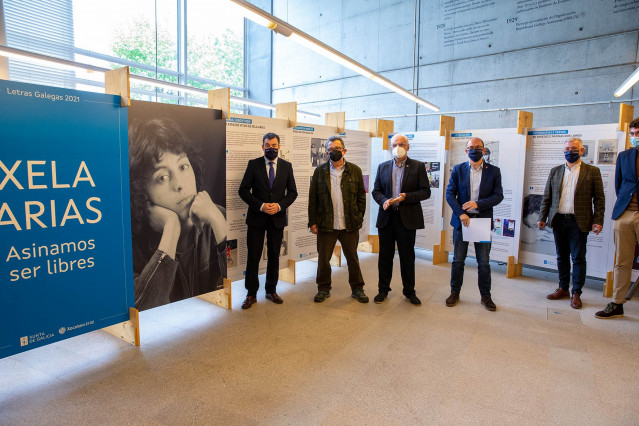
477	148
572	150
335	149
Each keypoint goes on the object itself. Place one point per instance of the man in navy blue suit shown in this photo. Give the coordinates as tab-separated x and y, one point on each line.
625	222
268	187
400	186
473	190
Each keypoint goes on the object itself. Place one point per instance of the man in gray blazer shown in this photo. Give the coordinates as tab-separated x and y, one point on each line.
573	205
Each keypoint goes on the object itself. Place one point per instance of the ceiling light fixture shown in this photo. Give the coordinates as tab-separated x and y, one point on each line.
626	85
269	21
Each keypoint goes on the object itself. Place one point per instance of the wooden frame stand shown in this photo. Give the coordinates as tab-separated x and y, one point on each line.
370	246
337	120
378	129
439	254
221	297
221	99
129	331
287	111
288	274
116	82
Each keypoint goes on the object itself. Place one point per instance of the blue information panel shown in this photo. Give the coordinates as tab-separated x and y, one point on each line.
65	234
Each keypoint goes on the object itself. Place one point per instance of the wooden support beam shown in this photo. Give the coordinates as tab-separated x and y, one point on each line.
287	111
336	259
385	127
439	254
446	123
513	269
221	99
116	82
288	274
378	129
446	127
370	246
524	121
220	297
337	120
625	117
608	285
129	331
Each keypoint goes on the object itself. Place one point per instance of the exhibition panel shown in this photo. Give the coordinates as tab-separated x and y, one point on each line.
64	215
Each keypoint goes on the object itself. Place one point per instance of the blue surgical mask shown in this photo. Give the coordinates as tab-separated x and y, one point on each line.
634	141
475	154
572	156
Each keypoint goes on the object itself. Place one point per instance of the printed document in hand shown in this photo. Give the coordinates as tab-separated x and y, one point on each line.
478	231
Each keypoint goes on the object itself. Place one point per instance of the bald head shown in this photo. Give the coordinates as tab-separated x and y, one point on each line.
475	143
399	138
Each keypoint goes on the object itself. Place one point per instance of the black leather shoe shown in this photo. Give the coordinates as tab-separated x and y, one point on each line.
414	299
248	302
275	298
488	303
452	299
380	297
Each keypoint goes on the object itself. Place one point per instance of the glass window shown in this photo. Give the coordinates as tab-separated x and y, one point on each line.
194	42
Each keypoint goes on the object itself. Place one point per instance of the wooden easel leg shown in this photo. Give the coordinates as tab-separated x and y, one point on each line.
288	274
608	285
129	331
370	246
336	259
513	269
220	297
439	254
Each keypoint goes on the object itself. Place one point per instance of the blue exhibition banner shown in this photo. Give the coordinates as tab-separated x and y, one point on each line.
65	233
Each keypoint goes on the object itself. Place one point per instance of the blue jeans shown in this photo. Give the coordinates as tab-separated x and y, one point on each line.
482	251
570	243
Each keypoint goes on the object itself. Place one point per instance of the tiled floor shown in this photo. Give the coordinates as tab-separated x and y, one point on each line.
534	361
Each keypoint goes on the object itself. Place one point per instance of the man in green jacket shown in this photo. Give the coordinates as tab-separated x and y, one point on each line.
336	206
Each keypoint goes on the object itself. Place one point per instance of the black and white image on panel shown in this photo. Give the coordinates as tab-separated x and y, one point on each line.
177	167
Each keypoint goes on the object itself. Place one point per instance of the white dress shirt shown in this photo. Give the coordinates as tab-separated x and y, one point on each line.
568	186
475	182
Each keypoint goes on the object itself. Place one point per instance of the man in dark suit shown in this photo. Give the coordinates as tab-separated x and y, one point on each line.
473	190
571	192
268	187
625	222
401	184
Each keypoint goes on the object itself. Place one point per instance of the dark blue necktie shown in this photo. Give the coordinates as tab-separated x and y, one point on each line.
271	175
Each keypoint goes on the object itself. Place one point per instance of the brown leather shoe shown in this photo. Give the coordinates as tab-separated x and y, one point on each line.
452	299
560	293
248	302
488	303
275	298
575	301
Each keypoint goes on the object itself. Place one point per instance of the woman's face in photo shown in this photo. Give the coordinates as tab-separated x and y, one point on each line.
172	184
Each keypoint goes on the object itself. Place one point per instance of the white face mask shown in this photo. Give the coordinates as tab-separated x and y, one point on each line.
399	152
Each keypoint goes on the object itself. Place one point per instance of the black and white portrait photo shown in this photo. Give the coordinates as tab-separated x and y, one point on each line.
177	172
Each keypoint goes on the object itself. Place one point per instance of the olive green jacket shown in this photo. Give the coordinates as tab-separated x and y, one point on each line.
320	206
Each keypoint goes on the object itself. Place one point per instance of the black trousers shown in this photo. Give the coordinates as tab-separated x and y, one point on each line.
395	232
325	246
255	244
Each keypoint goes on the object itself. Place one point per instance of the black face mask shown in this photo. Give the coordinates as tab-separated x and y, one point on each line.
270	153
336	156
